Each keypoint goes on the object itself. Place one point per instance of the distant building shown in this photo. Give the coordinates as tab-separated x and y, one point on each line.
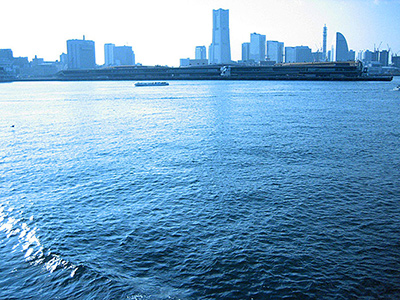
275	51
384	58
317	56
290	54
257	47
124	56
352	55
303	54
187	62
396	61
109	54
6	54
245	52
342	50
81	54
201	52
118	55
220	48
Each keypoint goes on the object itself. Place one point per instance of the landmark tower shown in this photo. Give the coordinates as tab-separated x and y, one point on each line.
220	48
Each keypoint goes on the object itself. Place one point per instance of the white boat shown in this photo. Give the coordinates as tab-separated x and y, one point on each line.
157	83
397	88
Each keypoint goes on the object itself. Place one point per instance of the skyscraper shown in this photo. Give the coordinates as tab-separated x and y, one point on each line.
324	35
342	50
81	54
124	56
275	51
290	54
201	52
257	47
109	54
220	48
118	55
245	52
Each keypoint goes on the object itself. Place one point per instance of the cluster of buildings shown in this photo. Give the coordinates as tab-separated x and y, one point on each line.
80	54
258	51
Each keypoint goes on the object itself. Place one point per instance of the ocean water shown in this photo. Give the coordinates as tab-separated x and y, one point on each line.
200	190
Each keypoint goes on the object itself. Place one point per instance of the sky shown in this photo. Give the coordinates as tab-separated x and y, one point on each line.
163	31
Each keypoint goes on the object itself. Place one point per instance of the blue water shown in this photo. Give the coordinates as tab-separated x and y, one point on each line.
200	190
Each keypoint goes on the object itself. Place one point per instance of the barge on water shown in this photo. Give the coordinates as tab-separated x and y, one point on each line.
327	71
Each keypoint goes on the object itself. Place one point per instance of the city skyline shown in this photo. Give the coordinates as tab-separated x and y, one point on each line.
162	33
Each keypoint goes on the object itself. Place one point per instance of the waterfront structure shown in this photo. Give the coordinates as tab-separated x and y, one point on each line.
342	50
257	47
81	54
187	62
200	52
275	51
299	71
220	48
245	52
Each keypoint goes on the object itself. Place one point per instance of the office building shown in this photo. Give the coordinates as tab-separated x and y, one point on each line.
200	52
324	35
220	48
275	51
109	54
342	50
290	54
124	56
384	58
257	47
396	61
245	52
118	55
303	54
81	54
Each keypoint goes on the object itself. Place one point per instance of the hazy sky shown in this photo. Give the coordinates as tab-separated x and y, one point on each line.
162	32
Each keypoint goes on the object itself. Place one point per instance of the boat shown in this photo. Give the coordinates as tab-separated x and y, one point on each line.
156	83
397	88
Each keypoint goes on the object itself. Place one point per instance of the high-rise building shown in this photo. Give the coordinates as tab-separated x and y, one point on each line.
118	55
396	61
275	51
245	52
303	54
342	50
109	54
257	47
324	35
220	48
290	54
124	56
384	58
201	52
81	54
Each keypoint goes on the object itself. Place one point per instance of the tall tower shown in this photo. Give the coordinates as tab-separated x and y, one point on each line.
220	48
324	43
